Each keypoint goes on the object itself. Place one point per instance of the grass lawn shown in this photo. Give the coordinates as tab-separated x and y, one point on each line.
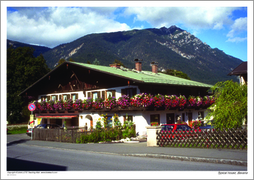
18	130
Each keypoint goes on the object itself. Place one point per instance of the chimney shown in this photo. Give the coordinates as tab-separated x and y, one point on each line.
138	63
154	67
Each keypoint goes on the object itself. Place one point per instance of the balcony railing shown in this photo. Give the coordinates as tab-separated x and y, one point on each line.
140	102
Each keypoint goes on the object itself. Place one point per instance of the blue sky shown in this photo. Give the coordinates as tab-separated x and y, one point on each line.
220	26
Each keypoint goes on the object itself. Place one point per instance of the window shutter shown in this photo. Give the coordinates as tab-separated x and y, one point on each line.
77	95
68	96
134	91
98	94
103	95
48	98
56	97
123	92
89	94
114	93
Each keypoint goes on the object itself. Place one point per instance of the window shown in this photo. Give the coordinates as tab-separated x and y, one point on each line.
74	97
95	95
128	118
183	117
129	91
201	115
155	118
109	94
45	98
66	97
54	98
109	120
170	118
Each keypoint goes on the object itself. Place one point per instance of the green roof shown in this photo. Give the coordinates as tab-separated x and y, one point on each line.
144	76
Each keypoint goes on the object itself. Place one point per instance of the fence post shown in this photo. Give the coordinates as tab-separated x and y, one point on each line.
151	135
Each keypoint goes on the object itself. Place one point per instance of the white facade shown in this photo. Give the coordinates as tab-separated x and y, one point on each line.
141	119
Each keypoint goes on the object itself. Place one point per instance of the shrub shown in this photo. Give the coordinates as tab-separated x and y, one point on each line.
98	125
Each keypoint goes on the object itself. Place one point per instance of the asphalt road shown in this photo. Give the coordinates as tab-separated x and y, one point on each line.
22	157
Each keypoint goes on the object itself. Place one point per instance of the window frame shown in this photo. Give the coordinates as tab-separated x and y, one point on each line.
152	118
130	118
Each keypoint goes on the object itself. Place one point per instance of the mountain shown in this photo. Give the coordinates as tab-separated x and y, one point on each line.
172	48
37	49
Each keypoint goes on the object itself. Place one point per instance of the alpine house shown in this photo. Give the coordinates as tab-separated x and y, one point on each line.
80	93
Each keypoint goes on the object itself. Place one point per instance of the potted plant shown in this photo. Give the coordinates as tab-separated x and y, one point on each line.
158	101
43	105
87	103
171	102
136	101
50	105
123	102
154	124
58	106
67	105
199	102
195	124
147	100
191	101
110	103
182	102
98	104
78	105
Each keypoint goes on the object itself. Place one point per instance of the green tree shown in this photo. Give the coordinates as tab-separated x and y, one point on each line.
96	62
230	107
118	62
177	73
23	69
61	61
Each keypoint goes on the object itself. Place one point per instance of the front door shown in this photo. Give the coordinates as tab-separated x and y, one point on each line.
91	124
189	118
171	118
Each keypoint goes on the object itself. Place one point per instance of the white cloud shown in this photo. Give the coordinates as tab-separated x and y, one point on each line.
192	17
53	26
239	25
56	25
218	26
236	39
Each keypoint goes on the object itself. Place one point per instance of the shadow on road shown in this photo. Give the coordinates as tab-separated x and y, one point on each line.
23	165
17	142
